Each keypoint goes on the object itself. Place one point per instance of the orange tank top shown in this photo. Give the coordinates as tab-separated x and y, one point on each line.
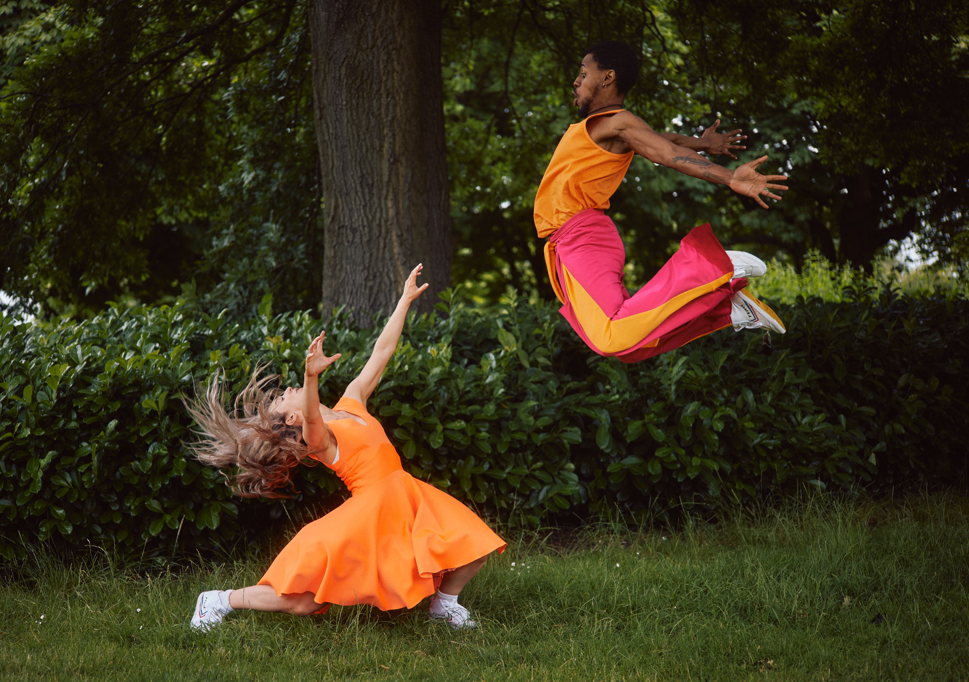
580	175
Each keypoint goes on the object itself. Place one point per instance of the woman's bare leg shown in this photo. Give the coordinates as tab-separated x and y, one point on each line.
444	603
212	606
264	598
454	581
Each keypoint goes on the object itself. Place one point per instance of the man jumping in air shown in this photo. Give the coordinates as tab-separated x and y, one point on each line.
701	288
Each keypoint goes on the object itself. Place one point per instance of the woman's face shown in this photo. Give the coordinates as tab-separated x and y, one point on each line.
289	403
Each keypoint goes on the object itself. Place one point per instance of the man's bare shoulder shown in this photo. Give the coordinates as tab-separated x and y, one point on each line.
612	125
626	120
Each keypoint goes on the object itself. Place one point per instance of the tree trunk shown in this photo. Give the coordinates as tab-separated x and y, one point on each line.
861	227
378	100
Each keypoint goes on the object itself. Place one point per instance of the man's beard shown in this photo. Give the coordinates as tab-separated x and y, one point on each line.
584	108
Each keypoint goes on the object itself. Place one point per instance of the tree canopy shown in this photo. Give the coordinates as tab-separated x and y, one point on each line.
156	149
144	147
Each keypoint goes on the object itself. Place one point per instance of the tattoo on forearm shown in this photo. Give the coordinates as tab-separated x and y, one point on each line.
693	160
713	178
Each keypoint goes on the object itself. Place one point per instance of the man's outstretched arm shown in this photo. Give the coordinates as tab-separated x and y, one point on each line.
745	180
710	141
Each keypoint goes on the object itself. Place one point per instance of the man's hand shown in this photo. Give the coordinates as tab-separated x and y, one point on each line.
749	183
316	362
722	143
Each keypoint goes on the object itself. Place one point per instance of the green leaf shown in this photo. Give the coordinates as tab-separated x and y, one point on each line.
603	437
840	371
634	430
266	306
571	435
507	339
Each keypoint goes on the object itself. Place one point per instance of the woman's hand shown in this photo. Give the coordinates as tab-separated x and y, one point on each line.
411	290
316	362
363	386
749	183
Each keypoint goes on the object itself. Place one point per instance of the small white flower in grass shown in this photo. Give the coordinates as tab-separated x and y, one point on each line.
138	610
141	627
512	563
617	565
42	617
664	537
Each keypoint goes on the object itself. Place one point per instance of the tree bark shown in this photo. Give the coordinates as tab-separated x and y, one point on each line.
861	231
860	224
378	102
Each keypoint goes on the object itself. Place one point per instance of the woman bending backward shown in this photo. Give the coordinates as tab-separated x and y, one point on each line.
396	540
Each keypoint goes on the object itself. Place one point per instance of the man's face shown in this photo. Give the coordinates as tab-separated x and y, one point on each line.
586	86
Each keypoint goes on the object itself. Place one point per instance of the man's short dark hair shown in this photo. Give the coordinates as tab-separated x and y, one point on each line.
611	54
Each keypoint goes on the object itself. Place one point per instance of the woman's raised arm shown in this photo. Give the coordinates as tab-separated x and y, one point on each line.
363	386
316	434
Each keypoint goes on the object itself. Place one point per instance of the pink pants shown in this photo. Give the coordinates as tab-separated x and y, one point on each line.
688	298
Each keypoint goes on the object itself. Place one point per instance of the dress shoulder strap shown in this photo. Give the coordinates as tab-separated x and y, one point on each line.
352	406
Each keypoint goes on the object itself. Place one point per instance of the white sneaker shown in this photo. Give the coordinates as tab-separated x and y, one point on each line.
749	313
210	609
454	615
746	264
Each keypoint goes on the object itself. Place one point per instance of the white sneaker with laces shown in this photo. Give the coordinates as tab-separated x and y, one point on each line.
746	264
749	313
210	609
454	614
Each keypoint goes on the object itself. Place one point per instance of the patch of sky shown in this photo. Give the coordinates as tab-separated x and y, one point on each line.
909	254
6	300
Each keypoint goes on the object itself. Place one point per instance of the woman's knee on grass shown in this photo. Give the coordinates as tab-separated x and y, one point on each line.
303	604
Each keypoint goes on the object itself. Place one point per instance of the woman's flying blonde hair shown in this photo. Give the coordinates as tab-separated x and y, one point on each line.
254	442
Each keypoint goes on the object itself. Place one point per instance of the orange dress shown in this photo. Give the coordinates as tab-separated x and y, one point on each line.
388	544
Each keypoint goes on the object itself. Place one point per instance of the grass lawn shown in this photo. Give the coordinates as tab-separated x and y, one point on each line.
821	590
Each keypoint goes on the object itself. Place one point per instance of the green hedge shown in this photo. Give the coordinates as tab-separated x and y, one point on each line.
506	410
